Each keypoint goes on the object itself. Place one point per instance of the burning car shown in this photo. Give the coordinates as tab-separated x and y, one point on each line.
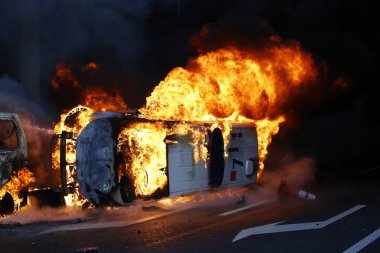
14	176
121	157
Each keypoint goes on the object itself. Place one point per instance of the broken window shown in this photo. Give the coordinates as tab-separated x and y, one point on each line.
8	135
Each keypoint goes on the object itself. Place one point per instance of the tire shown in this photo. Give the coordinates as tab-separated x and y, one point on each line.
7	205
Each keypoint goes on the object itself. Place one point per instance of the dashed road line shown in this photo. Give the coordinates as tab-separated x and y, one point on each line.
108	224
244	208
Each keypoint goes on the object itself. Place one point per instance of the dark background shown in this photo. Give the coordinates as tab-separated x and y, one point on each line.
137	43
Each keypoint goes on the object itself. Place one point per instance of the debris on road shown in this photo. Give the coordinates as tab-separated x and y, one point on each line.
285	190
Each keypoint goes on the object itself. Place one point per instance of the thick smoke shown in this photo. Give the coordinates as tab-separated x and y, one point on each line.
36	124
138	42
113	33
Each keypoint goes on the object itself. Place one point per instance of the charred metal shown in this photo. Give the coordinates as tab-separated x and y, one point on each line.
13	157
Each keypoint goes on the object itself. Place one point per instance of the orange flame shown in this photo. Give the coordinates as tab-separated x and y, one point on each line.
228	85
20	179
64	75
90	66
77	118
143	145
100	101
229	82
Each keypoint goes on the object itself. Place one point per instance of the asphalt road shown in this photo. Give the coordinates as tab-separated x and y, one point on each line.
345	213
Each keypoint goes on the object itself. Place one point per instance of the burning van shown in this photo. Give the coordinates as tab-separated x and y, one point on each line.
14	176
121	157
205	125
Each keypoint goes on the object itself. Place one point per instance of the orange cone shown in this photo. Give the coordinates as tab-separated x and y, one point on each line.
286	190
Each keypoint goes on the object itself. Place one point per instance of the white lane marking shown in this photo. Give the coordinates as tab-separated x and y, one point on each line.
364	242
244	208
275	228
108	224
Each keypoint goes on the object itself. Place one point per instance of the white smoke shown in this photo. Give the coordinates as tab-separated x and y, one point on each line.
14	98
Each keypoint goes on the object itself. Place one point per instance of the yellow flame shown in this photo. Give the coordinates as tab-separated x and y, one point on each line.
143	145
265	130
228	85
82	117
19	180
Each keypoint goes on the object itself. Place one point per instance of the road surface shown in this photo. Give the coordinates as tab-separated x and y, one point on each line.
347	213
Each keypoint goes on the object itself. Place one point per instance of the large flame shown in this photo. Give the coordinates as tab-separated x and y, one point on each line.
228	82
219	88
228	85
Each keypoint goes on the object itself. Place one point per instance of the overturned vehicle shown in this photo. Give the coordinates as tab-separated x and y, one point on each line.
121	157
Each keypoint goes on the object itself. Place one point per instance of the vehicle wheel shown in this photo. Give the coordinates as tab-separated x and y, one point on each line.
7	205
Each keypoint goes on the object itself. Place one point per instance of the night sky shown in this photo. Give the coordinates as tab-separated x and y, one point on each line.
137	43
